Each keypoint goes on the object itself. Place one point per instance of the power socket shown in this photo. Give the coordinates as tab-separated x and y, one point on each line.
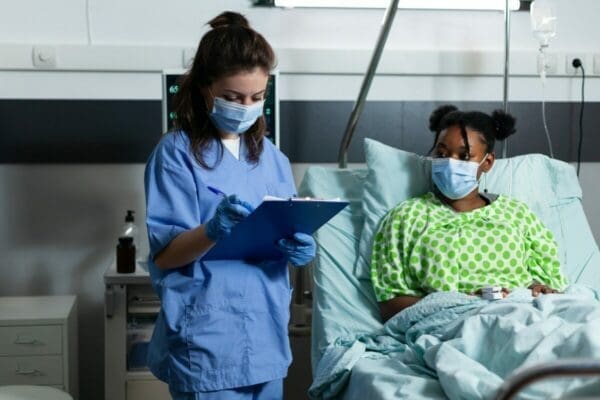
570	69
44	56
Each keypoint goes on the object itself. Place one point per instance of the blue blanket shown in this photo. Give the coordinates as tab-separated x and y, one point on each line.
450	345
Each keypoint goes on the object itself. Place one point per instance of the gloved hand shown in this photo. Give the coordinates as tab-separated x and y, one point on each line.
299	250
230	211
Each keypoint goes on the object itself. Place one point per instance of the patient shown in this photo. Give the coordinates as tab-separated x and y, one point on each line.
456	238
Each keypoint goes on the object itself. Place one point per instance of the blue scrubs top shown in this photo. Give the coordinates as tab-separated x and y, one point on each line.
223	324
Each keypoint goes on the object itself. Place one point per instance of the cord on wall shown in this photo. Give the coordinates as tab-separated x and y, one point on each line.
578	64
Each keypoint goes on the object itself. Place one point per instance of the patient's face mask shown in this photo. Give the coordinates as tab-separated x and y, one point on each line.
455	178
232	117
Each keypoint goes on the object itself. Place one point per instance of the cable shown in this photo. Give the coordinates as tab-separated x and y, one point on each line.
577	64
545	123
87	20
546	127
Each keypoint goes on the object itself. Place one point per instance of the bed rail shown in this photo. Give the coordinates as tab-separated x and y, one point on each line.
562	368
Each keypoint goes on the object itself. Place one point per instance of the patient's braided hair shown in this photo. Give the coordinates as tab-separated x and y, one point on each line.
497	126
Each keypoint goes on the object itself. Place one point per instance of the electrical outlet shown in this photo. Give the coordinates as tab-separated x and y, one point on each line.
188	57
597	64
44	56
570	69
550	62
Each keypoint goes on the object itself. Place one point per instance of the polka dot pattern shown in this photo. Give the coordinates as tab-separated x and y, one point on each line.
424	246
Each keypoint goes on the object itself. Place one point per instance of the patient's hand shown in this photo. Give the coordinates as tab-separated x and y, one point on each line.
538	288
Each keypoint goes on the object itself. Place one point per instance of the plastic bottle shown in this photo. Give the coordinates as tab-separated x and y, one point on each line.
125	255
130	229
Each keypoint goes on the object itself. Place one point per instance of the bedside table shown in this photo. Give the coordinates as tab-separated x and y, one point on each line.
38	342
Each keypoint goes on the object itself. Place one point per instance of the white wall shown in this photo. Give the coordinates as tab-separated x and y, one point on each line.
60	222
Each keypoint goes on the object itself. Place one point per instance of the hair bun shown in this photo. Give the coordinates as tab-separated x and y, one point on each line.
229	18
438	114
505	124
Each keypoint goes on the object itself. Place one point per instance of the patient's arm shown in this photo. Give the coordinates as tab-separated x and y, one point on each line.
394	306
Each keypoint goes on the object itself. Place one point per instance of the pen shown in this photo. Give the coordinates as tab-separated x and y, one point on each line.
216	191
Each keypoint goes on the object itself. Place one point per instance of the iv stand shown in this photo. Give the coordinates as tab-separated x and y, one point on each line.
366	84
506	66
368	79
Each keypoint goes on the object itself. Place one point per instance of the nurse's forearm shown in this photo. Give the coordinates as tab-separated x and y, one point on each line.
185	248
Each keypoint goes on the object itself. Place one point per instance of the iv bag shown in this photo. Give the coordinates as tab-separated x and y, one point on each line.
543	21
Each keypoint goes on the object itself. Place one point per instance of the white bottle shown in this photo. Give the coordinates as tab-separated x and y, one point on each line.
130	229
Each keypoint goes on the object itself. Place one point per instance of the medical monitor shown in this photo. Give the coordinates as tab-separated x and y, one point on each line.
170	86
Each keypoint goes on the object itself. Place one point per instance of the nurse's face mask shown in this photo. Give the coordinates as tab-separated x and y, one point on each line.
455	178
232	117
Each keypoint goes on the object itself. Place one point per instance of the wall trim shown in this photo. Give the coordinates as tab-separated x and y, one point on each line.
291	60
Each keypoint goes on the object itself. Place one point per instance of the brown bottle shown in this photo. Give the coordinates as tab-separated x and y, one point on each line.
125	255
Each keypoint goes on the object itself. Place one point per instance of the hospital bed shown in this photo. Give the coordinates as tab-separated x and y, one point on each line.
344	303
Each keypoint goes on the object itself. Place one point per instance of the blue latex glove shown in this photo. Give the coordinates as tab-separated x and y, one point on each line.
299	250
230	211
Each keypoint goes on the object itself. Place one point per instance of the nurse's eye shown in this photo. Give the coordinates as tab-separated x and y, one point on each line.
230	98
257	99
465	156
440	154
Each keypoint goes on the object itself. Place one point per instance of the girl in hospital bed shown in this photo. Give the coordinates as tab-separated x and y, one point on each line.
456	238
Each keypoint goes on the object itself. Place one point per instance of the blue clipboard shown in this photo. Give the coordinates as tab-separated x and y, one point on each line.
255	236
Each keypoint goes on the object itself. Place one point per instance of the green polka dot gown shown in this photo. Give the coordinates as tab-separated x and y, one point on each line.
423	246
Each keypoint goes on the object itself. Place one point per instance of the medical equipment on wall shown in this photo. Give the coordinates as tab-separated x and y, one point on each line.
170	87
543	27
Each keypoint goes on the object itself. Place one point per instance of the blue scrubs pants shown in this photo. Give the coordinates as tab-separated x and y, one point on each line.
272	390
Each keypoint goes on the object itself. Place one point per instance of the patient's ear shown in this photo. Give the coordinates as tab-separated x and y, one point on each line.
489	162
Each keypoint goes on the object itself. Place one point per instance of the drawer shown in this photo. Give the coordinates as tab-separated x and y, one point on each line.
147	390
32	370
30	340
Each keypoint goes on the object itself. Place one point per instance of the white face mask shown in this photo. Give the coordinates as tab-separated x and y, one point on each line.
455	178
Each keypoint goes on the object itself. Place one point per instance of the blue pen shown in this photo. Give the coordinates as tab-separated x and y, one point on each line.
216	191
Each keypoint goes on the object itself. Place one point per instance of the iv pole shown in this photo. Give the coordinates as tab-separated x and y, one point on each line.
368	79
366	84
506	66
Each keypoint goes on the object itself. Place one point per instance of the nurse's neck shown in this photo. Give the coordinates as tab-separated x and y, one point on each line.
470	202
228	136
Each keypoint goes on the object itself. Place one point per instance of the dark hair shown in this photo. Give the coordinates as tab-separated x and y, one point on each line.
497	126
230	47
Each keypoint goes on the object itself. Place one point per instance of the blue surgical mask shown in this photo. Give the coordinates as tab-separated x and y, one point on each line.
232	117
455	178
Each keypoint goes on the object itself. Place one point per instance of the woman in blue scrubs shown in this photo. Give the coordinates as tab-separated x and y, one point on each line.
222	330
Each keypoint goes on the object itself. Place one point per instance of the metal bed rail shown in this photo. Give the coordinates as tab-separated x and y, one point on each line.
562	368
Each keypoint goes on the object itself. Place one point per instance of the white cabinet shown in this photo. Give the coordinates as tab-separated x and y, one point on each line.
38	342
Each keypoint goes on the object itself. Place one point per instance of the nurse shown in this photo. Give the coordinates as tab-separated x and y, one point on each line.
222	330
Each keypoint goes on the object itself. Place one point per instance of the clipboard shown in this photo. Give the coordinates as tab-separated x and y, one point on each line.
254	237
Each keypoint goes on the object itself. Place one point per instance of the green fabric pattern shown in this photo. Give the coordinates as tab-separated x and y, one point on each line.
424	246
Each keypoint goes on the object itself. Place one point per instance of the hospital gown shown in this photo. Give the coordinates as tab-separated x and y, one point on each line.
424	246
